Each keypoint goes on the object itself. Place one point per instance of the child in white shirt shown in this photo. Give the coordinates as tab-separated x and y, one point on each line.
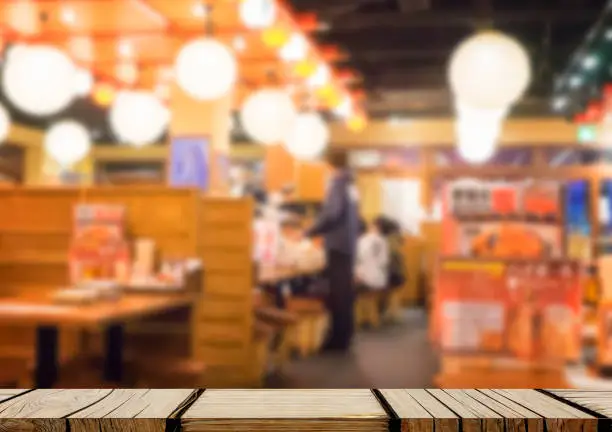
373	256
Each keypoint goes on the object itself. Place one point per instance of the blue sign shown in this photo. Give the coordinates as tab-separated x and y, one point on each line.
189	164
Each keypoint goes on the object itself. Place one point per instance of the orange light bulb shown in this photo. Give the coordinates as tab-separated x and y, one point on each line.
275	37
357	123
104	94
305	68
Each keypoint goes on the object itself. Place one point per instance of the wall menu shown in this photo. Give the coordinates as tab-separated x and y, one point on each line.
524	309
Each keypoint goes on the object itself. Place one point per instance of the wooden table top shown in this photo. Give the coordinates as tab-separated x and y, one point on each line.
352	410
42	311
275	274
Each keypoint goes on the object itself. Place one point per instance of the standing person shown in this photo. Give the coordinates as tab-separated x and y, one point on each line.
338	223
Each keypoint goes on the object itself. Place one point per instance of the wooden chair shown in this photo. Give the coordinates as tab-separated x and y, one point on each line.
367	309
311	328
284	324
393	299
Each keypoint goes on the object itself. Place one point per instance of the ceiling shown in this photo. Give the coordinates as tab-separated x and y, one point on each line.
401	47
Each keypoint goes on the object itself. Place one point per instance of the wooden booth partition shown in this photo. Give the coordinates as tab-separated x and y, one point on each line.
35	232
223	336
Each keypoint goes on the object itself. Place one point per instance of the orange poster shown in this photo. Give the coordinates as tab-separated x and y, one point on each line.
470	306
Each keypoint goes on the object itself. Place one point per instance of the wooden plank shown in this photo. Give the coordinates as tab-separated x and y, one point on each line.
413	417
6	394
557	415
145	410
533	421
445	420
475	416
295	410
599	401
45	410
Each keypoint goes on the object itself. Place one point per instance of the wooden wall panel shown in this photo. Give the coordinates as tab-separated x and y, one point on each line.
224	319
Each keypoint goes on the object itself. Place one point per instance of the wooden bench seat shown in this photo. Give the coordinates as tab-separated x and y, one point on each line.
313	321
367	308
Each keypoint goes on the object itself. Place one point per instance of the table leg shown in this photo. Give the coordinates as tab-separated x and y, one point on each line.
46	372
113	361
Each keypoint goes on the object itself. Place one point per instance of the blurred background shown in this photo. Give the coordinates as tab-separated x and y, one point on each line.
305	194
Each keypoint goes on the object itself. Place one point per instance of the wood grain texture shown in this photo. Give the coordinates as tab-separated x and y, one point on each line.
598	401
417	410
276	410
138	410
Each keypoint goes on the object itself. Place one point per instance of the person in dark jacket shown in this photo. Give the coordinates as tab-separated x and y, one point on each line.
338	223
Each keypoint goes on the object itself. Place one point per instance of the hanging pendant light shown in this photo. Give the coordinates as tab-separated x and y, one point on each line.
268	116
309	136
489	70
39	80
257	14
138	118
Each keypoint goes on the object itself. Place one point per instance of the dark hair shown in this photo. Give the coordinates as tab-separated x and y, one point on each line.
387	226
362	226
337	159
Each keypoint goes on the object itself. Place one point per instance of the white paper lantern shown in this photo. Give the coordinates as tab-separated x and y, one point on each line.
257	14
321	76
267	116
67	142
5	124
477	140
206	69
83	83
295	50
489	70
476	152
308	138
39	80
138	118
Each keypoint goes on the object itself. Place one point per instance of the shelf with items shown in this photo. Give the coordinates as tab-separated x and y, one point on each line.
505	293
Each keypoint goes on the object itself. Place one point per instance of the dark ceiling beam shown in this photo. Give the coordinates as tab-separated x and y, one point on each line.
427	53
467	19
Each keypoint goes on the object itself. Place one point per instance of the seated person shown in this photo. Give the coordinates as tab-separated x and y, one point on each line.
397	263
372	264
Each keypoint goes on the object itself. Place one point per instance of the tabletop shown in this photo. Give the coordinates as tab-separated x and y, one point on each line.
44	311
350	410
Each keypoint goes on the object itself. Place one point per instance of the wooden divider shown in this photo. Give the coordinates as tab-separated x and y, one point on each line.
35	231
306	410
223	335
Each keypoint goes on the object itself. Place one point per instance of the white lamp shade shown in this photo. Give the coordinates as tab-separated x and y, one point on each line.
308	137
39	80
138	118
5	124
257	14
489	70
267	116
67	142
321	76
83	83
476	140
295	50
477	151
206	69
468	113
345	109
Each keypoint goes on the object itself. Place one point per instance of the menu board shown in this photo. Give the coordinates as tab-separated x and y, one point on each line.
98	249
470	306
525	309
